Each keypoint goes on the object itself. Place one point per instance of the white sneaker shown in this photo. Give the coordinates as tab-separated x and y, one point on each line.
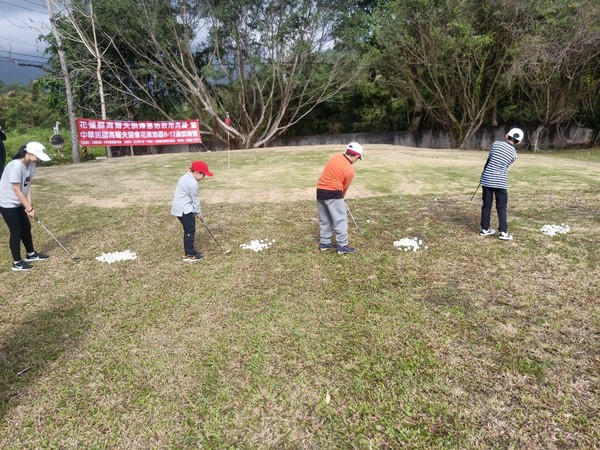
487	232
505	236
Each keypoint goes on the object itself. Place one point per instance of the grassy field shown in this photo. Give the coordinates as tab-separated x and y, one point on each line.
473	343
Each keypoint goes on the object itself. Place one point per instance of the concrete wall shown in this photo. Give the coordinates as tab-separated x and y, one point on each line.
564	137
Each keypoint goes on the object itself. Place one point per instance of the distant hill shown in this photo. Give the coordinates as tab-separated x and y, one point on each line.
12	73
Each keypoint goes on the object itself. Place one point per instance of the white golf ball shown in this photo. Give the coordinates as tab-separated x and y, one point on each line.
407	244
553	230
116	256
257	245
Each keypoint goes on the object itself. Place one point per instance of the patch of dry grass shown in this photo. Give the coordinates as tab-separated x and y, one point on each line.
473	343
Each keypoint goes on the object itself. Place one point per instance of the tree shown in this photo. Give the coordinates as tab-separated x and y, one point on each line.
556	65
267	62
67	80
448	57
25	108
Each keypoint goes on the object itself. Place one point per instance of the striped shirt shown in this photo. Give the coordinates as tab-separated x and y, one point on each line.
495	173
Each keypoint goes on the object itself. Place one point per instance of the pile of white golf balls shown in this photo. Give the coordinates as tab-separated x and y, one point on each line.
553	230
407	244
116	256
258	245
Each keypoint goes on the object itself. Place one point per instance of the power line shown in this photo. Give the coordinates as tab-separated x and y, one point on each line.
18	42
23	62
23	54
41	4
22	7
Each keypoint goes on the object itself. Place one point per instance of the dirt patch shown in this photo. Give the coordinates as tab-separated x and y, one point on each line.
111	183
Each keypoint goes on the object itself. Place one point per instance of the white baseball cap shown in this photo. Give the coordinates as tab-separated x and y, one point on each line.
516	134
37	149
356	149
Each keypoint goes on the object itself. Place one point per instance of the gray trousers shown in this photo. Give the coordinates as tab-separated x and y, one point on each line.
333	217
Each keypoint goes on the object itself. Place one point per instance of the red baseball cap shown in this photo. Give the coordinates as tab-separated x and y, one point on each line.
200	166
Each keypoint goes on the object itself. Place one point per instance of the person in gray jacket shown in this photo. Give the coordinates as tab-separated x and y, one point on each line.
186	207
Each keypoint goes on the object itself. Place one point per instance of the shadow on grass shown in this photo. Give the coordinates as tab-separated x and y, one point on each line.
37	342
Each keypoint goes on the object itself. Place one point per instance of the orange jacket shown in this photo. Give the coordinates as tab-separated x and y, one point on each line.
337	174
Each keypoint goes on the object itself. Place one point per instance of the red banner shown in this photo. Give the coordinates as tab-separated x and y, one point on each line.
100	133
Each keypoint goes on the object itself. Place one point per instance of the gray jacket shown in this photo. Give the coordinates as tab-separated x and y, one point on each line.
187	196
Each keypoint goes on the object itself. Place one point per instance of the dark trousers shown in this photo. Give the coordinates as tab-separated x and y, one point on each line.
189	233
486	210
20	230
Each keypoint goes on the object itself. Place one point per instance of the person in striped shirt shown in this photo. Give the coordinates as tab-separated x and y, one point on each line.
494	183
331	190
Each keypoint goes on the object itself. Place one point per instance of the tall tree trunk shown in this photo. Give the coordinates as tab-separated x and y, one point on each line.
494	109
415	121
536	137
99	72
65	72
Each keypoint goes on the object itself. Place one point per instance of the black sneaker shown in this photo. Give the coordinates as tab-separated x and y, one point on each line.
195	257
36	257
325	247
345	250
21	265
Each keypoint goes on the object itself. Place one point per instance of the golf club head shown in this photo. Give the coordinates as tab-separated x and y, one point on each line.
10	366
21	372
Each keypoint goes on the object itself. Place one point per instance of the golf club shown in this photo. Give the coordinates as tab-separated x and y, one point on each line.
213	236
20	372
354	220
476	189
53	237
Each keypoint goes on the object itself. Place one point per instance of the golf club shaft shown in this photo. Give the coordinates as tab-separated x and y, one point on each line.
354	220
210	232
9	365
476	189
54	237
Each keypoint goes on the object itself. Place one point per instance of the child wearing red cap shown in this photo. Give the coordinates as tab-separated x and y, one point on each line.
186	207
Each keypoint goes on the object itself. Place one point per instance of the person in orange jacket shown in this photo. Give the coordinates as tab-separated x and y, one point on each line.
331	191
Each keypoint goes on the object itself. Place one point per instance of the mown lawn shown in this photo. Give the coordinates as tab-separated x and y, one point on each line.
472	343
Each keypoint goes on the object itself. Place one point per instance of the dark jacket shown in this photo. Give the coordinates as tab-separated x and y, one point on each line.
2	151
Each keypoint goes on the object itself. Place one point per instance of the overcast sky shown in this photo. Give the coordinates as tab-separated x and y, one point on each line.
21	22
